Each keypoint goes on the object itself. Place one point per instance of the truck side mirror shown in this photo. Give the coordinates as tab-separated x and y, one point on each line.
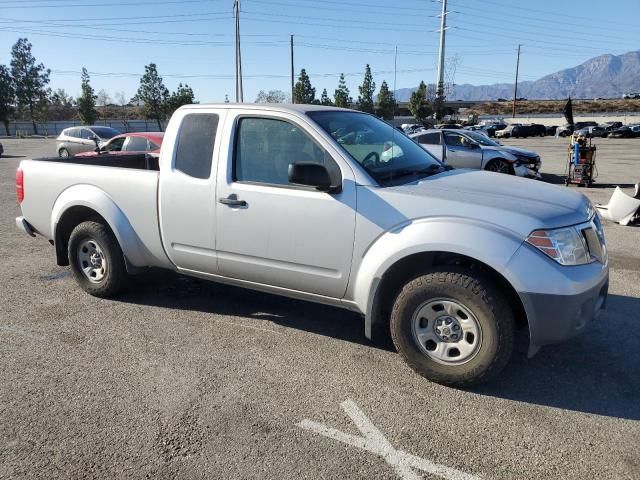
311	174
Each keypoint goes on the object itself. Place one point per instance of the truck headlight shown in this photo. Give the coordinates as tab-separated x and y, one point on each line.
565	245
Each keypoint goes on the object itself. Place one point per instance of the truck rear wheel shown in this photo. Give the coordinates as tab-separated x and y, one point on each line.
96	260
453	327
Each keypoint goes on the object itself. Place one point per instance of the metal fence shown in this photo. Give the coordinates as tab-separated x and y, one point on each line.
54	128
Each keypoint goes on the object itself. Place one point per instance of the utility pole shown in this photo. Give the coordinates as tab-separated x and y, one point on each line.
440	84
515	88
292	70
236	14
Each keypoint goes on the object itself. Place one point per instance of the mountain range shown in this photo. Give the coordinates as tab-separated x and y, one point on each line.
605	76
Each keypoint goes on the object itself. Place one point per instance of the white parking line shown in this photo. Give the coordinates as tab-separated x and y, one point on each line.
403	463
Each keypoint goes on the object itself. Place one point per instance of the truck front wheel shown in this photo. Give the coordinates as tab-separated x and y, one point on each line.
453	327
96	260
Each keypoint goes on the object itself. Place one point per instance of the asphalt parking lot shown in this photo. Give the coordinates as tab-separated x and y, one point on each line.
180	378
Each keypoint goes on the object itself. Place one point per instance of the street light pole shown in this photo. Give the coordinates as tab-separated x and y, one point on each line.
236	14
292	72
440	85
515	88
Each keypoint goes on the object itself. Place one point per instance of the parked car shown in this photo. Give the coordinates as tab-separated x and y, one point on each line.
538	130
465	149
448	261
591	132
631	95
611	126
515	131
551	130
128	143
450	126
491	130
626	132
567	129
76	140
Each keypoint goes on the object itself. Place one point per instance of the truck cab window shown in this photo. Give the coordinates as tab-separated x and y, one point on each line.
265	147
194	147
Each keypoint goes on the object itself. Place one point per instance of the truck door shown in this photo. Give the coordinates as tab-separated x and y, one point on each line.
272	232
459	153
187	204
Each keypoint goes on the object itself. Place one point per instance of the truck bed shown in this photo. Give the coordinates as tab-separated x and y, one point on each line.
126	185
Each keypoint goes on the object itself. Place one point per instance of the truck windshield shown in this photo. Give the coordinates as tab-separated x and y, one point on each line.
382	150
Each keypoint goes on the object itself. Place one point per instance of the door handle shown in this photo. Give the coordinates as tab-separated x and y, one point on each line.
232	201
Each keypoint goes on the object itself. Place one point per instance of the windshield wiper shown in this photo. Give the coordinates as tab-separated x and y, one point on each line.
430	170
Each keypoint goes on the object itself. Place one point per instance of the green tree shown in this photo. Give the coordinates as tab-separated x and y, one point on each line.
386	102
153	95
182	96
30	81
367	89
341	94
418	103
324	98
303	92
7	97
61	105
272	96
87	100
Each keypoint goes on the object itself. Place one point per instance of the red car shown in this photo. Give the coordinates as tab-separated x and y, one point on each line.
143	142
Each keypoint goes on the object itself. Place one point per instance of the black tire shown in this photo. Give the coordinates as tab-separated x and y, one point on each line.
63	153
482	299
500	165
115	276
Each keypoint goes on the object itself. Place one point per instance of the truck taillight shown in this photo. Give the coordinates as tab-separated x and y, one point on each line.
20	185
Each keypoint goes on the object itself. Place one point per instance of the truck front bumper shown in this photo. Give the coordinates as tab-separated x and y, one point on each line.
23	225
559	301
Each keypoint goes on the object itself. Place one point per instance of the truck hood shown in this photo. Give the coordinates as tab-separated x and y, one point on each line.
516	204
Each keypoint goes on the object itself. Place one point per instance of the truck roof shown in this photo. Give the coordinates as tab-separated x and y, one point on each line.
282	107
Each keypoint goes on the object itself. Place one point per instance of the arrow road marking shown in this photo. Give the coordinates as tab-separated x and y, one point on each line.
372	440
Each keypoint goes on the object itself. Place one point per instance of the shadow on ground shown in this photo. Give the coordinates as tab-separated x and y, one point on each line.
560	180
12	156
594	373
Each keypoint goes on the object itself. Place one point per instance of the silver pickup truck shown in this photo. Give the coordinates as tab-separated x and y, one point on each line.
337	207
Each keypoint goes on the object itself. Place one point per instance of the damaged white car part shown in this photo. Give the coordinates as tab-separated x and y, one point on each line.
622	208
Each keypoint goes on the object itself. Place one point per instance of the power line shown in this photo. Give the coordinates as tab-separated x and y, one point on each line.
108	4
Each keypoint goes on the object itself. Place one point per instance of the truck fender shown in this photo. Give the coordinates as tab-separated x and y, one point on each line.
91	197
487	243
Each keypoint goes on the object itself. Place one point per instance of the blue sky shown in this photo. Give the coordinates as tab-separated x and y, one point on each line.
191	41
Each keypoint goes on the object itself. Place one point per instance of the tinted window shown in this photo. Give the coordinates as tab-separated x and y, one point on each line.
194	148
73	133
136	144
115	145
265	147
105	132
429	138
455	140
86	134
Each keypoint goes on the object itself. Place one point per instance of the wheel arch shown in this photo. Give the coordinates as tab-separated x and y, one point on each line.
388	286
82	203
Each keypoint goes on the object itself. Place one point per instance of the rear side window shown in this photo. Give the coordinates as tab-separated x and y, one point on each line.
429	138
73	133
194	148
136	144
86	134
